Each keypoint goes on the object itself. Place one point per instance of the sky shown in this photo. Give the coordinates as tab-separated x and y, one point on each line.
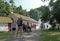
30	4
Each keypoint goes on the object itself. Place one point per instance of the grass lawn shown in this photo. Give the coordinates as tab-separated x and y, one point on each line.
4	35
50	35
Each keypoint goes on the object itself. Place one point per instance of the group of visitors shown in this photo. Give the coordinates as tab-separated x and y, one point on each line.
21	26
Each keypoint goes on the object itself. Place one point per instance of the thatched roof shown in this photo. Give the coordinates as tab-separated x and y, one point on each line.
25	17
5	20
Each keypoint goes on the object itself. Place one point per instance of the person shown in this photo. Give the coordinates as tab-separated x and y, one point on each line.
14	28
41	26
29	28
24	27
47	26
19	24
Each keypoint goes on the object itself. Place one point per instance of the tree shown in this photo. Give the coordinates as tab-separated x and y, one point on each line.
55	12
45	13
12	5
34	13
19	10
4	8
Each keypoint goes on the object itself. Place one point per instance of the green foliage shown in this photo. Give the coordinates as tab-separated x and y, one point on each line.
11	1
20	11
11	6
34	13
45	13
42	12
4	8
56	11
51	3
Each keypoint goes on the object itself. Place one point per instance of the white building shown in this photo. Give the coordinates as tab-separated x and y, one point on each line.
5	24
38	24
46	25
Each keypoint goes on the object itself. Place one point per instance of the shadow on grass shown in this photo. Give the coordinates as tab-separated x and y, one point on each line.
4	35
50	35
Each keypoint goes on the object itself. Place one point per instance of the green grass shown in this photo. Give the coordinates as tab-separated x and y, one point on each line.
4	35
50	35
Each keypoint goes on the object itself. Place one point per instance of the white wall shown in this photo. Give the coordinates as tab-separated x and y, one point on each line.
38	24
45	24
3	27
49	26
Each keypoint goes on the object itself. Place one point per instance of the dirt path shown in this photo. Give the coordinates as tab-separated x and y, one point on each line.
32	36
